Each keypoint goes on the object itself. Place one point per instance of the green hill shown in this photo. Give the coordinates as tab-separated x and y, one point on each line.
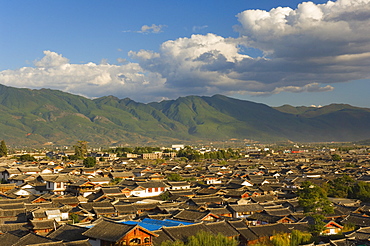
36	117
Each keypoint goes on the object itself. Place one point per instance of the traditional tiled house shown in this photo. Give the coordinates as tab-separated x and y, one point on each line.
43	226
242	211
178	185
151	188
117	234
195	216
83	188
224	229
68	233
331	228
180	233
10	172
56	184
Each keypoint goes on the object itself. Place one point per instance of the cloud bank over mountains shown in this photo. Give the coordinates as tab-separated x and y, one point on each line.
304	49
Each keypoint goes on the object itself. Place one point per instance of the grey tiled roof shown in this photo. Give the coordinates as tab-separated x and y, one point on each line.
68	233
31	239
181	233
108	231
44	224
237	224
191	215
247	234
162	237
253	207
13	227
111	231
269	230
222	228
278	212
357	220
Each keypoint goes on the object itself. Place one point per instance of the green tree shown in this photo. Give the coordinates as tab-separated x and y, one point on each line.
315	203
336	157
26	157
220	154
73	157
89	161
213	155
203	238
263	242
348	227
281	239
74	218
313	199
141	150
3	149
80	149
361	191
170	243
174	177
341	186
293	239
299	237
318	224
115	181
206	155
190	154
165	196
160	161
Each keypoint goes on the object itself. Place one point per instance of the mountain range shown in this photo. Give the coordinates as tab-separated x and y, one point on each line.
36	117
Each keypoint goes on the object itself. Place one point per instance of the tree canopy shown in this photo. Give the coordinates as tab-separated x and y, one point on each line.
174	177
293	239
341	186
80	149
347	187
313	199
336	157
203	238
194	155
26	157
315	203
89	161
3	149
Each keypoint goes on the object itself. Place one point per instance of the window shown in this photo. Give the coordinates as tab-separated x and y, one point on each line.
135	241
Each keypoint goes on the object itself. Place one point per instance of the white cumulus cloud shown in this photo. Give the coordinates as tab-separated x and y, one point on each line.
51	59
311	30
195	65
91	80
306	49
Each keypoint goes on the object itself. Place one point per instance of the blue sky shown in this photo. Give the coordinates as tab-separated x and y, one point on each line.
273	52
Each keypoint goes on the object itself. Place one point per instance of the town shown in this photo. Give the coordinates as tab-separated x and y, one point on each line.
297	194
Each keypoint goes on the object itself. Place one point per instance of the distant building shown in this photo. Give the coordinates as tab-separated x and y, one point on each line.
130	155
177	146
152	156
